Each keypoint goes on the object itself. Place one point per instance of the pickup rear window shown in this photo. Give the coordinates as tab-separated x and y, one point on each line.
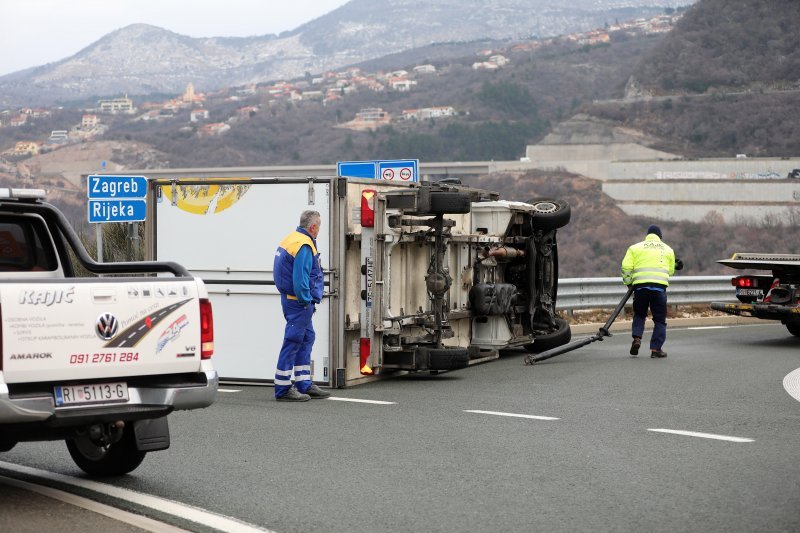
21	246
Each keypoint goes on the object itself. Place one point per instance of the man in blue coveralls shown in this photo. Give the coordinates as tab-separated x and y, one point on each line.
299	278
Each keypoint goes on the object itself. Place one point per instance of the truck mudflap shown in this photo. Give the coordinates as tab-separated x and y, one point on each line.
758	310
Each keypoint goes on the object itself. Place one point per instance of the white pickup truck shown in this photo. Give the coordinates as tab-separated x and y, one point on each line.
95	354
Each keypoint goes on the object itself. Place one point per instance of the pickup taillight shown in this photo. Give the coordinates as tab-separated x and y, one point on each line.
206	329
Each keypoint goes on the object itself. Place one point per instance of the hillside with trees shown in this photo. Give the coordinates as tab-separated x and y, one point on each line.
725	80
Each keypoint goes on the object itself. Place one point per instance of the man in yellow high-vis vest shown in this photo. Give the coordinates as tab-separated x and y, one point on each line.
647	267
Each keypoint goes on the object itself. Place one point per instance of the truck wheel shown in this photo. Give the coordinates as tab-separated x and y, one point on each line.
559	337
550	214
114	459
447	358
794	327
450	202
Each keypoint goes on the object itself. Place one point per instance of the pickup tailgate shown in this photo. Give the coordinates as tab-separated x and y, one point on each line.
99	328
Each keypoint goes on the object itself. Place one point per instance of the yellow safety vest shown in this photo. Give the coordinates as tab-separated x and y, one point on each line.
649	261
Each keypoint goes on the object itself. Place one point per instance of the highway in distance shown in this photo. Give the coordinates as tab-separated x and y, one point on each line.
593	440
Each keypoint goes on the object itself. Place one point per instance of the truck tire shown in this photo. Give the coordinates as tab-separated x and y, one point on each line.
794	327
447	358
450	202
559	337
550	214
115	459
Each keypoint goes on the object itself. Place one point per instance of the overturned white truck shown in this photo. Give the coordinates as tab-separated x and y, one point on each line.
428	276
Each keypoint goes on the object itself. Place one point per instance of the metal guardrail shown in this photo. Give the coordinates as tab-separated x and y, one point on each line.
593	293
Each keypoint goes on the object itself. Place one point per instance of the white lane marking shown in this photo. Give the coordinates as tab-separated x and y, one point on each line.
515	415
229	390
702	435
791	382
357	400
142	522
709	327
187	512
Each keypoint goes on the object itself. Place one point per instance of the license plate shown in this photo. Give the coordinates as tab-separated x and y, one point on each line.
94	393
749	292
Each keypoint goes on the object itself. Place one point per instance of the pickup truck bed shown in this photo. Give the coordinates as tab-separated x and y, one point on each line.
98	361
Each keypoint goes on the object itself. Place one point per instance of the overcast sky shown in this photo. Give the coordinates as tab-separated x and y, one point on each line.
35	32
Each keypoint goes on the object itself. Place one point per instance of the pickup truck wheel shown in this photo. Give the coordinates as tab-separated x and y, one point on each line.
794	327
114	459
450	202
448	358
550	214
559	337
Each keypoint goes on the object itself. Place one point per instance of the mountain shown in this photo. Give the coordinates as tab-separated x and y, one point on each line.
141	59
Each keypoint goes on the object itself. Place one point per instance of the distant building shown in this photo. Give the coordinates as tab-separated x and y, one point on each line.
429	112
27	147
401	84
247	111
198	114
18	121
211	130
89	122
424	69
58	137
369	118
122	105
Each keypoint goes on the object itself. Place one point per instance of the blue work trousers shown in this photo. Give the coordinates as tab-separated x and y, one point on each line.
298	339
656	301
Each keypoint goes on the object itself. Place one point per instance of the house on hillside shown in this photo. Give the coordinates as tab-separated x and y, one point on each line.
18	121
58	137
369	118
212	130
424	69
89	122
401	84
428	112
196	115
246	112
27	148
113	106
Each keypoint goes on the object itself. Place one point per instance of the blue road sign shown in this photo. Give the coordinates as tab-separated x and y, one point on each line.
399	170
116	187
101	211
356	169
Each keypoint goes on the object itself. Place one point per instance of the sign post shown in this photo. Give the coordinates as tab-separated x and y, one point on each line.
115	199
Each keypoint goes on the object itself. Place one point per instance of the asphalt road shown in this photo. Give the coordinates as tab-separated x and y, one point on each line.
425	463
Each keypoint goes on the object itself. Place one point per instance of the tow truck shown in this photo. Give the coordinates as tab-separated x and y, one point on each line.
774	296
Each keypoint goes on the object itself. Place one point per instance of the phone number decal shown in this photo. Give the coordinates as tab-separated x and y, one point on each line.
103	358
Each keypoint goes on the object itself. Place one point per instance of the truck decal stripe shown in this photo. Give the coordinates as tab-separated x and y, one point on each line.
140	329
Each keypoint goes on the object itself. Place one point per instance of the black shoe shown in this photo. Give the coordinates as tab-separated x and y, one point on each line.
293	395
316	393
657	354
635	345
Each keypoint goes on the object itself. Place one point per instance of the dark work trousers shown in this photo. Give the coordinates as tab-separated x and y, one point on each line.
656	301
295	356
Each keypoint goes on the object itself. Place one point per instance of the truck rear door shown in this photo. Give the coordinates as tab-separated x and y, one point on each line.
226	231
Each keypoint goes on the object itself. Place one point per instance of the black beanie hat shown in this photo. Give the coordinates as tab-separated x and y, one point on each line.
655	230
